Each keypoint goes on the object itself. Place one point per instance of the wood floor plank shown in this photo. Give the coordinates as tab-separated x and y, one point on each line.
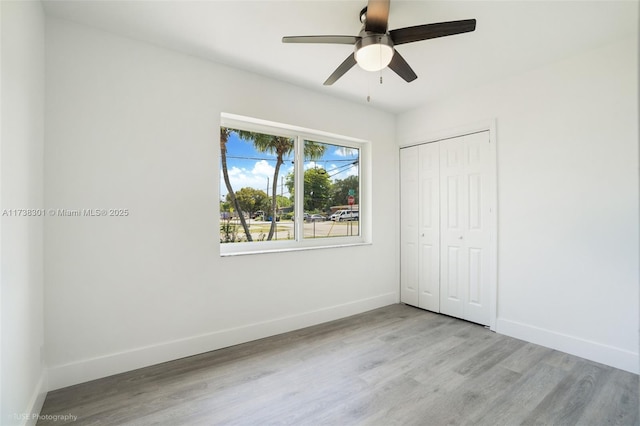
485	359
619	392
513	405
394	365
526	357
566	403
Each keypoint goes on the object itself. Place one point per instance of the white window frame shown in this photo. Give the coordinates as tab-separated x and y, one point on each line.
300	134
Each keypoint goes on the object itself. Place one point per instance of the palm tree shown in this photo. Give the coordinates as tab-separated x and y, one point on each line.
314	150
224	137
280	146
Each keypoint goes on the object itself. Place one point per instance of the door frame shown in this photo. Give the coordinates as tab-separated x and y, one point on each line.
449	133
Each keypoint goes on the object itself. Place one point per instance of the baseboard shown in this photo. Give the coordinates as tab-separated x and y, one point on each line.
594	351
37	400
96	368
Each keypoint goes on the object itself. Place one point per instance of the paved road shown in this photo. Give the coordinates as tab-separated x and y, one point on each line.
285	229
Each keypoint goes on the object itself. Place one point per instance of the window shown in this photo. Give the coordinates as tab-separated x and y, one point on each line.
288	188
331	190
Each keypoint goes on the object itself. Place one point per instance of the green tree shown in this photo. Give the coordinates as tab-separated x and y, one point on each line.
290	183
340	191
317	189
251	200
283	201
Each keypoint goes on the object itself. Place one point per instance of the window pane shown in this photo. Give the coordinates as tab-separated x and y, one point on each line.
255	203
331	190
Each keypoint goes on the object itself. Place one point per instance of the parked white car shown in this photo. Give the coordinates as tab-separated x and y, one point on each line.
335	214
342	215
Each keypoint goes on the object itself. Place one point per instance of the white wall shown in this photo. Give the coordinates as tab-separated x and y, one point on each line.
23	376
133	126
567	141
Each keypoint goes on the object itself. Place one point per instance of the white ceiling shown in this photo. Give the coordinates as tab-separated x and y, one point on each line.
511	37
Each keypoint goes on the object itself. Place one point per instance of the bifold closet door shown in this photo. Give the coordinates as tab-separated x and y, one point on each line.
420	226
465	205
445	204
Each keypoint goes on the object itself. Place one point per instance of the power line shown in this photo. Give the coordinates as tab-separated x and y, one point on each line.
351	160
341	169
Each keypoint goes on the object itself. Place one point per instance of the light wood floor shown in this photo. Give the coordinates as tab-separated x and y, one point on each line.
392	366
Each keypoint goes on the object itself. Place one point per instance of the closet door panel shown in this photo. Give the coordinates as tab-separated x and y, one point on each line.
409	228
477	227
429	226
453	280
465	167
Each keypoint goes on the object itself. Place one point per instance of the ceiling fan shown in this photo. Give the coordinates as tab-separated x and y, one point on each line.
374	46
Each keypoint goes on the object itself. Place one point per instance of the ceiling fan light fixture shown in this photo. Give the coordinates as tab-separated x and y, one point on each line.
374	52
374	45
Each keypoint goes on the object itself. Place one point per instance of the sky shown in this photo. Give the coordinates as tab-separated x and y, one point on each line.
250	168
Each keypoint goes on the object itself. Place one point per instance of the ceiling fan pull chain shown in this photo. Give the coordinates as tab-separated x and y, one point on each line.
381	64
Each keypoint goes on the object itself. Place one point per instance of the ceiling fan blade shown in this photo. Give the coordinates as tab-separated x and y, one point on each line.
331	39
402	68
427	31
341	70
377	16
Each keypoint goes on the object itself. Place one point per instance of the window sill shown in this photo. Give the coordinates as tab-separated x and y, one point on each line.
290	249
